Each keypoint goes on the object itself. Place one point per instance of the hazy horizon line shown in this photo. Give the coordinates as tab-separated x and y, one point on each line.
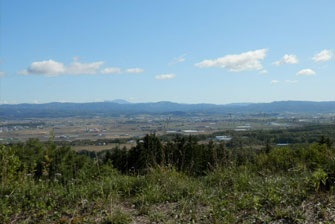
168	101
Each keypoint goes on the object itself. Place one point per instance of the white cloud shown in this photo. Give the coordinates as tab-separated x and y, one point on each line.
291	81
250	60
323	56
54	68
306	72
287	59
134	70
111	70
48	68
275	82
165	76
2	74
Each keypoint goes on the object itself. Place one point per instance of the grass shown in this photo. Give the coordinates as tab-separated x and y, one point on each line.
57	185
166	196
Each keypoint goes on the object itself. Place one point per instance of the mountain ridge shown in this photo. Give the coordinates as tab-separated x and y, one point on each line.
57	109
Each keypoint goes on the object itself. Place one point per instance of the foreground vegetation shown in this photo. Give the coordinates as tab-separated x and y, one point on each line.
179	181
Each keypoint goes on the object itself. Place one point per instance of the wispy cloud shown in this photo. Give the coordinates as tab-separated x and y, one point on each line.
111	70
77	68
323	56
273	82
75	58
250	60
307	72
54	68
165	76
2	74
179	59
287	59
134	70
263	72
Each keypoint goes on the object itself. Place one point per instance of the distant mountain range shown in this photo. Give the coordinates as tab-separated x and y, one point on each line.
119	101
118	107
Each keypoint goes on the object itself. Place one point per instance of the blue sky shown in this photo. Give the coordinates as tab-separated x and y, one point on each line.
190	51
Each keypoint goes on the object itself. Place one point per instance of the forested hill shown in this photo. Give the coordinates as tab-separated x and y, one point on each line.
115	108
